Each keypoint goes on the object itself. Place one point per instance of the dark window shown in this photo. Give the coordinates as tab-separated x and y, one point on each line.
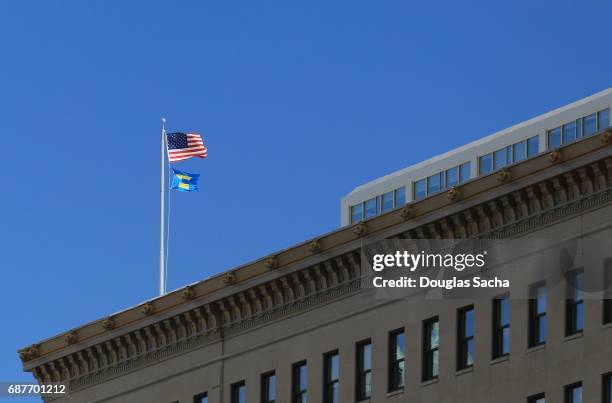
519	151
464	171
331	374
420	189
607	297
569	132
533	146
434	184
364	370
387	201
540	398
589	124
397	349
537	315
554	138
299	383
238	392
371	207
431	345
357	213
573	393
400	197
268	387
574	317
607	388
485	164
603	119
501	327
452	177
201	398
500	158
465	337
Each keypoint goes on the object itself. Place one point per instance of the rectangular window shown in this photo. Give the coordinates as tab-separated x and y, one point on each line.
589	124
501	327
268	387
400	197
607	388
607	294
537	315
431	346
569	132
299	383
539	398
603	119
452	177
465	337
500	158
573	393
371	207
464	171
357	213
519	151
574	317
364	370
387	201
331	374
201	398
533	146
434	184
485	164
397	349
554	138
420	190
238	392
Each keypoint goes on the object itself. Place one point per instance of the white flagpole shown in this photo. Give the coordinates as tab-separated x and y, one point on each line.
162	190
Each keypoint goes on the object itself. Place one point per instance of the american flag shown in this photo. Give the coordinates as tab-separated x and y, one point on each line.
185	145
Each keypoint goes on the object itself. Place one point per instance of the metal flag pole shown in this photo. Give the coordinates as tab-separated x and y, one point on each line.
162	191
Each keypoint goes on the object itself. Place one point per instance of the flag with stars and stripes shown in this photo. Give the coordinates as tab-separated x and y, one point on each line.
185	145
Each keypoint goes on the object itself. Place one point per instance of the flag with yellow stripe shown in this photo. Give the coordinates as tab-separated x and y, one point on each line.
184	181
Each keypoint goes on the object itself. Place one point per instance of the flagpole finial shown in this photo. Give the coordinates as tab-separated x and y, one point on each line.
163	120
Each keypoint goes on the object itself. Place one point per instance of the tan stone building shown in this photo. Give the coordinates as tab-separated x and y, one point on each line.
299	326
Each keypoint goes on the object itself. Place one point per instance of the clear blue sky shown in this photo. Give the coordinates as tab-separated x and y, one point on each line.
298	104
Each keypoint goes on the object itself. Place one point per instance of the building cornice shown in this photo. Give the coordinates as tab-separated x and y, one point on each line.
326	267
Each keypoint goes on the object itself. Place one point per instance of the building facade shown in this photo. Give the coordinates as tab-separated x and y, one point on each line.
299	326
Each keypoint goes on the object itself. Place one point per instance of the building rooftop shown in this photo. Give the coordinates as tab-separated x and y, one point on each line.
497	135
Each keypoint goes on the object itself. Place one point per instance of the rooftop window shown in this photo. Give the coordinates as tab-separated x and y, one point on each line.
379	204
579	128
441	180
508	155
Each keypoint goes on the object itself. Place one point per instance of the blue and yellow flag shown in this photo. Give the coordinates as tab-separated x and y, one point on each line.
184	181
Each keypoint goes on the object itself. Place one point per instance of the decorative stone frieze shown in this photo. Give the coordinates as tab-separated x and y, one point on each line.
148	308
554	156
272	262
360	229
70	338
188	293
504	175
407	212
314	246
229	278
108	323
453	194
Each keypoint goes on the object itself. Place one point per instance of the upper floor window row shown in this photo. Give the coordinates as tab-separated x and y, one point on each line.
379	204
508	155
441	180
579	128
